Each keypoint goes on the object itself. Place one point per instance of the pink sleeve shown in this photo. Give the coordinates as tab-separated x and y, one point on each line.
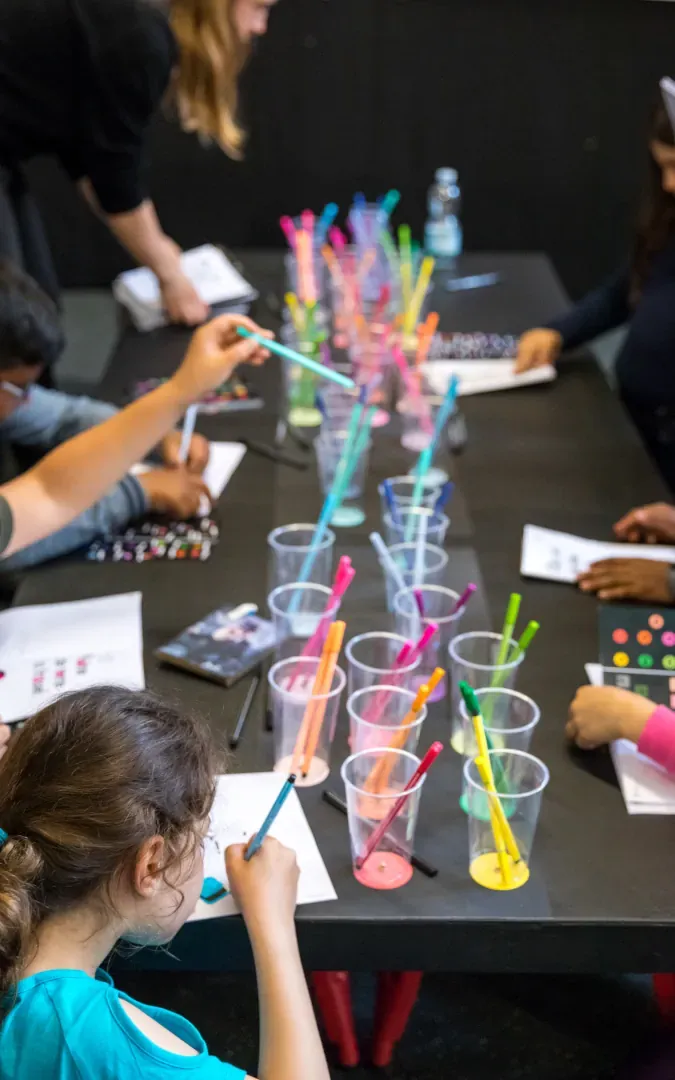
658	738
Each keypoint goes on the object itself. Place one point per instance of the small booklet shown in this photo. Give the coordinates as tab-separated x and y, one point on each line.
221	647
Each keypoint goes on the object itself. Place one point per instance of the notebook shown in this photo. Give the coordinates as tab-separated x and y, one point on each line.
221	647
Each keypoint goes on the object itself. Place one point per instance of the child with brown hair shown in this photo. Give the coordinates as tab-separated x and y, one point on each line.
104	804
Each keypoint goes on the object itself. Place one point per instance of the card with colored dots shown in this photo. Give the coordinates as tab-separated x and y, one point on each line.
637	649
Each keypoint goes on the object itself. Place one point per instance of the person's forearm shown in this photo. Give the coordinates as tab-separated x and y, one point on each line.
74	475
290	1044
140	232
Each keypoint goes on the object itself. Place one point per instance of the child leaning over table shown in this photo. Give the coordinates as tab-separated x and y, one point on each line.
31	339
80	873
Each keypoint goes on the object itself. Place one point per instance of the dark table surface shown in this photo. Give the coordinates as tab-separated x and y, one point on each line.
602	892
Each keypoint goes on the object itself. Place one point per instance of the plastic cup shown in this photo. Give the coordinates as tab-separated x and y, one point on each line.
434	568
409	521
293	702
418	424
389	866
293	629
439	605
375	718
509	719
402	488
523	779
289	545
329	448
370	662
473	659
292	277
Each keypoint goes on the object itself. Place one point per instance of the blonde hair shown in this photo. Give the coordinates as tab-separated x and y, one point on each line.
212	57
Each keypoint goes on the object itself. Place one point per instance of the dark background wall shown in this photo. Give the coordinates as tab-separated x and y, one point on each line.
540	104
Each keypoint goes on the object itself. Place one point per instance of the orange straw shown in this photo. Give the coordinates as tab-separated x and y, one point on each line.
381	771
303	254
331	652
426	336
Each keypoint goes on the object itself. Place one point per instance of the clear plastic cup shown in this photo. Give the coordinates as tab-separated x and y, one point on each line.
370	662
293	278
289	545
519	792
329	448
368	804
408	523
439	607
304	722
294	628
418	424
402	488
473	660
376	716
433	568
509	719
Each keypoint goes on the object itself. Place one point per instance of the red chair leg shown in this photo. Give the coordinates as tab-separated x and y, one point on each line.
664	992
396	997
333	997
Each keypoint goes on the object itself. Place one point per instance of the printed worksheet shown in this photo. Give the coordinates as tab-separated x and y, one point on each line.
645	786
242	803
50	649
224	458
556	556
482	376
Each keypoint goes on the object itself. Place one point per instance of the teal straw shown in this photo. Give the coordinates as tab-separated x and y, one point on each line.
298	358
421	470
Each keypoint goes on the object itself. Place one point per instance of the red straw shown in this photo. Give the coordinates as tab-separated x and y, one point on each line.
423	767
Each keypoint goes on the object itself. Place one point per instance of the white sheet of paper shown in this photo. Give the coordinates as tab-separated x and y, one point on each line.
556	556
208	268
482	376
224	458
242	803
50	649
645	786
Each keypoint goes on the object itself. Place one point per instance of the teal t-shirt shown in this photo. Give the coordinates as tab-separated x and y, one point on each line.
64	1025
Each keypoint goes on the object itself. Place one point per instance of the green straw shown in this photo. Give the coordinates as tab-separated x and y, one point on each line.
508	630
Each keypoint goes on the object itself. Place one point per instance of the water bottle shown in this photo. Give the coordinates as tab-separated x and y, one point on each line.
443	230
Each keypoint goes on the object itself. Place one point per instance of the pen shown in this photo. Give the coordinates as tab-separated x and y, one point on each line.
420	864
245	710
278	456
267	824
188	431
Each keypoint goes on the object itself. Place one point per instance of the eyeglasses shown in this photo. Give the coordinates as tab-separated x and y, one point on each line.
20	392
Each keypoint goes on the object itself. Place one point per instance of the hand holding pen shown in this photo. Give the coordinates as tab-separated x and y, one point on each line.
266	886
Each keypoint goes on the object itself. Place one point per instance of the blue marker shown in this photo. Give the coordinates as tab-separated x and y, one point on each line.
444	497
390	500
269	820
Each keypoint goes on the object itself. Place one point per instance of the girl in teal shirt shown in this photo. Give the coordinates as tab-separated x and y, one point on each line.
104	802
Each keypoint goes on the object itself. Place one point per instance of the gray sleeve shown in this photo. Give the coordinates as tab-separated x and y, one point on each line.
6	524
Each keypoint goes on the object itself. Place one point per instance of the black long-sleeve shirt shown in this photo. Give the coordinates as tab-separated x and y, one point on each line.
80	80
645	367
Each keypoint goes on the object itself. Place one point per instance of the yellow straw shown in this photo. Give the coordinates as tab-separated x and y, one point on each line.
489	782
415	306
293	305
500	845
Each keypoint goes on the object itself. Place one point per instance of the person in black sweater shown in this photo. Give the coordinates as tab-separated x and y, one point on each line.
641	294
80	80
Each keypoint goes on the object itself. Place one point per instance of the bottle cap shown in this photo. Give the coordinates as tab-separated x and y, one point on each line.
446	176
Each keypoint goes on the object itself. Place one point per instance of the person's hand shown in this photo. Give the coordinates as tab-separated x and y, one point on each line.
628	579
265	887
601	714
5	733
215	351
537	348
181	301
652	524
174	492
198	452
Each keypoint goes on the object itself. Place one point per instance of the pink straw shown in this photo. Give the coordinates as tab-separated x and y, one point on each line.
408	654
464	598
419	600
413	389
338	240
344	576
289	230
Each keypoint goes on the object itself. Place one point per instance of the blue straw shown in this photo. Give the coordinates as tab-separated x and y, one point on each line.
269	820
442	418
444	497
328	216
390	500
423	466
298	358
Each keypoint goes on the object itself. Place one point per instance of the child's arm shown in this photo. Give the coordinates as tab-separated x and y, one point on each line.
601	714
78	472
266	888
49	418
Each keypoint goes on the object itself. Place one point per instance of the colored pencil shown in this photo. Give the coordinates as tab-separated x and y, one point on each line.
245	709
464	598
